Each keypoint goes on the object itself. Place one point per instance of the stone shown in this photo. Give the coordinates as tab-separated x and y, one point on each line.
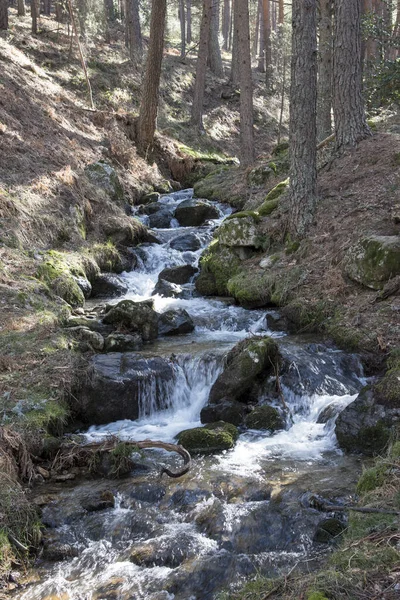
175	322
124	386
85	286
195	212
169	290
374	260
328	530
150	198
161	219
186	242
138	317
179	274
260	175
103	175
99	501
108	285
265	417
213	437
229	411
90	340
87	322
121	342
218	265
239	232
153	208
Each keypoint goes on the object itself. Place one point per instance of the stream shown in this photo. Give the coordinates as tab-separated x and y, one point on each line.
239	513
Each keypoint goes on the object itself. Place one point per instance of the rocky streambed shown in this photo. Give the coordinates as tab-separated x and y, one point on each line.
170	361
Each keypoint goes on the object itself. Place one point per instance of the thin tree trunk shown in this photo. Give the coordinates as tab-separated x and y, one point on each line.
3	14
303	104
234	77
348	105
59	11
189	21
200	80
133	32
47	7
247	153
324	102
226	21
214	59
182	20
151	84
267	45
21	8
256	32
281	13
83	63
261	56
35	15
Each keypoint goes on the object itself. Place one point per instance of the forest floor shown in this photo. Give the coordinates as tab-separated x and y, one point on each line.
48	136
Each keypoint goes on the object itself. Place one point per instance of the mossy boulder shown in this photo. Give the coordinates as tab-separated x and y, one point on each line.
264	417
260	175
252	289
240	231
366	426
218	264
138	317
103	175
374	260
271	200
251	358
213	437
218	186
267	207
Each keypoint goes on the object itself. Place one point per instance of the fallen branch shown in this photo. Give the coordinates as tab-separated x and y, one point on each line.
326	141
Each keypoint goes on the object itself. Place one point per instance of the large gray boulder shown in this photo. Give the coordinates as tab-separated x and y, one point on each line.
186	242
123	342
239	232
374	260
108	285
137	317
195	212
124	386
104	176
161	219
175	322
179	274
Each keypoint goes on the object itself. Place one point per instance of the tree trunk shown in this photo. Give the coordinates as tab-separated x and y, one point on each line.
247	154
108	18
256	32
189	21
200	80
151	84
133	31
35	15
348	105
3	14
226	22
214	59
261	56
324	102
267	45
303	104
182	20
59	11
47	7
21	8
234	77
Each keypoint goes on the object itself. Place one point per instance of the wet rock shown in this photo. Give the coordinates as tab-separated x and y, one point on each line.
330	412
374	260
169	290
239	232
104	176
161	219
85	286
365	426
188	498
97	502
138	317
249	359
175	322
229	411
146	492
164	551
57	551
195	212
88	340
108	285
91	323
186	242
180	274
152	208
329	530
122	342
120	383
150	198
265	417
213	437
218	265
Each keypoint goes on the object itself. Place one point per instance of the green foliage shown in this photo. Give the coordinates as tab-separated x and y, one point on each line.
121	458
371	479
316	596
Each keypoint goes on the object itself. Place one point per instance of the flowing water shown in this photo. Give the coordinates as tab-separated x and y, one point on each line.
234	514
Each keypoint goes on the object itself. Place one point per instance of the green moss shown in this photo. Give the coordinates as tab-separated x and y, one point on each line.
267	207
371	479
387	389
252	289
221	263
264	417
210	438
395	450
107	257
281	148
243	214
218	185
316	596
374	260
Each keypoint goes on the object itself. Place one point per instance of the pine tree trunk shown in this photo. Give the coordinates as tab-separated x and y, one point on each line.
303	104
348	105
151	84
247	153
200	80
35	15
324	102
189	21
108	17
267	45
47	7
234	77
21	8
3	14
133	31
214	59
254	52
281	13
261	56
182	20
226	21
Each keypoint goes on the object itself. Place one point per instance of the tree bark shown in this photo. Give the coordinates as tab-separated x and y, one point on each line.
254	52
47	7
247	153
151	84
261	56
133	31
348	105
200	80
226	22
267	45
3	14
303	104
35	15
189	21
182	21
214	59
324	102
21	8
